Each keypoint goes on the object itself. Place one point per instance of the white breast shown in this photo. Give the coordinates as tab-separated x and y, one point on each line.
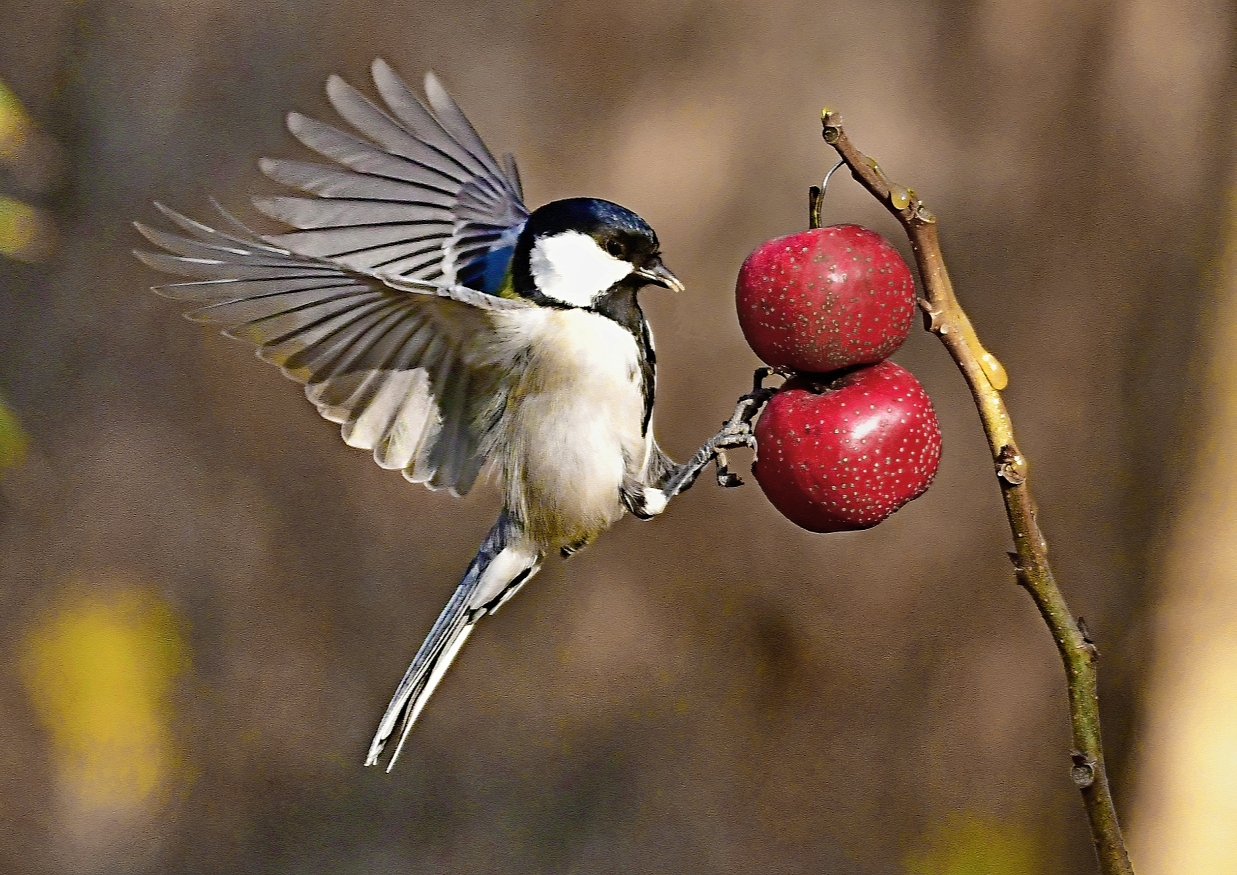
573	425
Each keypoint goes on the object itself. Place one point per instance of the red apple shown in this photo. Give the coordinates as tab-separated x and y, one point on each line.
846	453
825	299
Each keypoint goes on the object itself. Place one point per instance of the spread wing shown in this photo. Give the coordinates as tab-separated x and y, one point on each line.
414	192
400	363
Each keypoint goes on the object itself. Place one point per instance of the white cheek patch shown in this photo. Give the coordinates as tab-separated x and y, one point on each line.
570	267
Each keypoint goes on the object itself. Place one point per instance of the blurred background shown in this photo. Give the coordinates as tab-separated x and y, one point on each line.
206	599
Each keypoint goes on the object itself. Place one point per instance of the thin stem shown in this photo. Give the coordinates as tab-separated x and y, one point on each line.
985	377
816	197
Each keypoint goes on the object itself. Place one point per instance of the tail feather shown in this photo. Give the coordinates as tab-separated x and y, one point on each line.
501	566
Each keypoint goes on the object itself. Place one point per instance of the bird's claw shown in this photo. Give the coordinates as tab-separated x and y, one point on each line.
735	433
733	438
725	477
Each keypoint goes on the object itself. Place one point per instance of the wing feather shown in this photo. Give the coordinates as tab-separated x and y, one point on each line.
373	336
282	316
422	161
310	214
331	182
452	403
216	291
413	192
456	124
394	154
420	119
243	236
403	365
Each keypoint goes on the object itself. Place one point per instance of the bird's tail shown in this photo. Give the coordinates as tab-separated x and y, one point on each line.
502	565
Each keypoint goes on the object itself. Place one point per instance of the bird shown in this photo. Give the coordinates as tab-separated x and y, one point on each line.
448	329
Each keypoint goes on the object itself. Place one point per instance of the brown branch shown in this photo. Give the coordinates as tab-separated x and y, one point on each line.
984	375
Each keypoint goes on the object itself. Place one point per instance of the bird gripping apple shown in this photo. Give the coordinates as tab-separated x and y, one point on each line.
853	437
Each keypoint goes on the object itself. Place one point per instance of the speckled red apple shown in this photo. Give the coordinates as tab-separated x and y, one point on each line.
825	299
846	453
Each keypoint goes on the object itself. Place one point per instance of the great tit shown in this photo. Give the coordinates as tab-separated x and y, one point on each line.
444	327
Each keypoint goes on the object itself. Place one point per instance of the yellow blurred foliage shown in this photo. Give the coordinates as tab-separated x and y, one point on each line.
26	232
13	439
965	844
99	668
15	124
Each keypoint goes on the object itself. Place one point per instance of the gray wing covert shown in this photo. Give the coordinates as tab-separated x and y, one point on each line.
414	193
402	369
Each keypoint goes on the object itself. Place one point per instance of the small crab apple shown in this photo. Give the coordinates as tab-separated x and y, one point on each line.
825	299
845	453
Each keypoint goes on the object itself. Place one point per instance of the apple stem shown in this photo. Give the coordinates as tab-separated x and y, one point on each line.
985	377
816	197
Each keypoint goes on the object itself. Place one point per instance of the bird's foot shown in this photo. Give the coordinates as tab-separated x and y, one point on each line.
736	432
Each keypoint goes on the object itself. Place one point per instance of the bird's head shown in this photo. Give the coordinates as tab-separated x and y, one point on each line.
575	252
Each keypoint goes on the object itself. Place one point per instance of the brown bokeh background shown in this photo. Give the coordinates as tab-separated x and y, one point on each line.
206	598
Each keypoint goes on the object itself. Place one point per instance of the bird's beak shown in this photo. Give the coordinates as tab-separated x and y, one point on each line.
660	275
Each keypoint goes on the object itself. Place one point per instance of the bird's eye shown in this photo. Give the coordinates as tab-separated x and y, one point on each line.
616	248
